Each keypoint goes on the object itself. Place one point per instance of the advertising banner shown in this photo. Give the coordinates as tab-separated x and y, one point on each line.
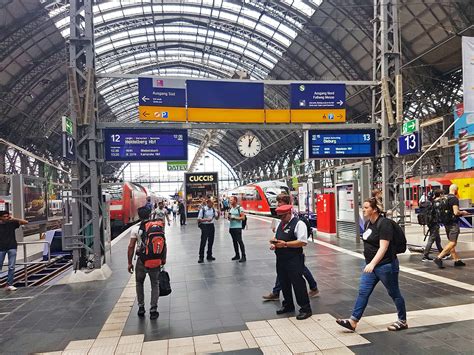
464	132
35	202
468	73
199	186
177	165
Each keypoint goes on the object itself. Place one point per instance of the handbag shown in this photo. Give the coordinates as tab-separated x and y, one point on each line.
164	281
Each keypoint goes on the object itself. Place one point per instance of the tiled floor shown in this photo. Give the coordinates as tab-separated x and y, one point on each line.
221	301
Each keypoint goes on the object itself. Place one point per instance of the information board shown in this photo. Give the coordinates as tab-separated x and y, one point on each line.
324	144
318	96
220	94
409	144
161	92
146	144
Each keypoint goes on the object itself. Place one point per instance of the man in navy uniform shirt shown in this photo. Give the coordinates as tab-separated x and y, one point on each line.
291	236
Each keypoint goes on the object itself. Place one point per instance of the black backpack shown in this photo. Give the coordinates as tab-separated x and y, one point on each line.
427	215
244	221
305	220
399	239
444	211
165	284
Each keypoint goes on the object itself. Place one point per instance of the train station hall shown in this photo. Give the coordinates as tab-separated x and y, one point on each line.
236	177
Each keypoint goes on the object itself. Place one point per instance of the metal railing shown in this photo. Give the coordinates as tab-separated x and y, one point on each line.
25	262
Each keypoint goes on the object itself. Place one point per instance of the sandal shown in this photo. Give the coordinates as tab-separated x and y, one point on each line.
345	323
398	325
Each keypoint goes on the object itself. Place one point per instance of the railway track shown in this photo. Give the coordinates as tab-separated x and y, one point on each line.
40	274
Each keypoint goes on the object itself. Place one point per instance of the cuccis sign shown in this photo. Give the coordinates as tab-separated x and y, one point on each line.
201	178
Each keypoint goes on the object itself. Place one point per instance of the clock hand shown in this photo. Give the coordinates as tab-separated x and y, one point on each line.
250	141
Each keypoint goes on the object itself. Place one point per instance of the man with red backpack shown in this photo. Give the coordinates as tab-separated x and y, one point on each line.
148	242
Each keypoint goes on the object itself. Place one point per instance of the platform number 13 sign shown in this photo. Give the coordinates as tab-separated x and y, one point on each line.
409	144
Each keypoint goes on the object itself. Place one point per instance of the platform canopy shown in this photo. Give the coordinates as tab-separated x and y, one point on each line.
287	39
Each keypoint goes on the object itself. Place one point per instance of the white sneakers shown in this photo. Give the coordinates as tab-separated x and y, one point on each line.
11	288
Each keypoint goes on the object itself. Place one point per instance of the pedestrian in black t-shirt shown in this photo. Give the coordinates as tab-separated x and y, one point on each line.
8	244
381	265
452	229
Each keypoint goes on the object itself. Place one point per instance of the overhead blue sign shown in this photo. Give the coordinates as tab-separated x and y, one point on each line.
219	94
318	96
410	144
146	144
342	144
156	92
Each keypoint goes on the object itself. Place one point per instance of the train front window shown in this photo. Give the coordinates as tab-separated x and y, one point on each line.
274	191
115	196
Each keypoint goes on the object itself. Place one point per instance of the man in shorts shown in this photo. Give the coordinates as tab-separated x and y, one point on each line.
452	229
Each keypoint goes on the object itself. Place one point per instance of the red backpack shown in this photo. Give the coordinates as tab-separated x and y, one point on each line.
153	248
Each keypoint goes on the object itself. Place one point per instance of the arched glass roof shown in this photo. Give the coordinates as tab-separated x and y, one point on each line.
202	38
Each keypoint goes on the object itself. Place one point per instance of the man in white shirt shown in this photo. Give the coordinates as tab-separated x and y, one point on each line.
206	217
161	213
291	236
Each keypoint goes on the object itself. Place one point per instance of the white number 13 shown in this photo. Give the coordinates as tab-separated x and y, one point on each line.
410	141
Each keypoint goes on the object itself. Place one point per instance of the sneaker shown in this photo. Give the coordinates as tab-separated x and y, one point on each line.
141	311
426	258
211	258
243	260
438	262
313	293
459	263
200	261
237	257
13	288
271	297
154	314
447	257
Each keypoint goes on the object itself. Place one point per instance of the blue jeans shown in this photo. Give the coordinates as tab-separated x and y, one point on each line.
306	274
388	274
11	264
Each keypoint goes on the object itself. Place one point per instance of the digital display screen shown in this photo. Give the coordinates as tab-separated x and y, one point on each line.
146	144
324	144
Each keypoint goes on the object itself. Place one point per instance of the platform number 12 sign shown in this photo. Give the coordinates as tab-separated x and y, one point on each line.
409	144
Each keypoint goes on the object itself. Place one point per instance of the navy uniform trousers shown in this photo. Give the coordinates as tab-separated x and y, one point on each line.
290	273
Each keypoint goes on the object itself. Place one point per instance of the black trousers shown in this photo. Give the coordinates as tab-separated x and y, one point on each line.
207	235
182	219
236	234
290	274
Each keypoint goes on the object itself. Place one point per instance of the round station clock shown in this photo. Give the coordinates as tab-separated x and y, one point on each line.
249	145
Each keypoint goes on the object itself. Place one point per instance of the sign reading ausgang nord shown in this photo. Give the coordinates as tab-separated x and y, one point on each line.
146	144
356	143
315	96
161	92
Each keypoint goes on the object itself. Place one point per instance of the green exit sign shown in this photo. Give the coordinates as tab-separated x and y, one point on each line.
409	127
67	125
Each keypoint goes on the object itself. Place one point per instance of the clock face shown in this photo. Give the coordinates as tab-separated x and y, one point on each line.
249	145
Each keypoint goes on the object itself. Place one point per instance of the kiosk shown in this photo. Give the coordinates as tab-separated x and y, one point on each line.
197	187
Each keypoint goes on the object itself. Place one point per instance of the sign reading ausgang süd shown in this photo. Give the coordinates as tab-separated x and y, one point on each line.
199	178
161	92
146	144
409	127
356	143
318	96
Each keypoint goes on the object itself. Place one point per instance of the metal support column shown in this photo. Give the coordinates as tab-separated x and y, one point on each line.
386	64
85	170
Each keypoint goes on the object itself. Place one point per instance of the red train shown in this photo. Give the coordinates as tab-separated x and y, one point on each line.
125	199
260	197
